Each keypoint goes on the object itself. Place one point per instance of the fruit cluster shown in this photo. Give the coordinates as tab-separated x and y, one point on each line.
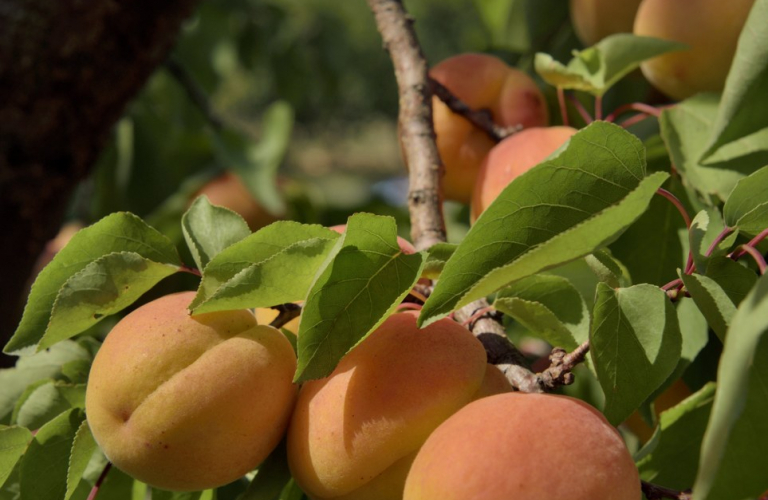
193	402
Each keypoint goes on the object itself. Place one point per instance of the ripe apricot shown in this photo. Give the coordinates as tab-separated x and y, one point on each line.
511	158
524	446
228	191
188	403
353	434
482	82
710	27
594	20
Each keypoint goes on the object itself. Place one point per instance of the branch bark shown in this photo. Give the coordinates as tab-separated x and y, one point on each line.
67	70
417	134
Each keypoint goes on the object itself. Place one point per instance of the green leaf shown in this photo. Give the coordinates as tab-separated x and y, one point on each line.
47	401
607	269
685	129
437	256
550	307
505	22
635	344
356	290
13	444
736	441
118	232
671	457
44	466
651	247
735	279
747	205
596	69
209	229
256	248
271	478
43	365
563	209
104	287
705	227
744	102
711	300
284	277
83	448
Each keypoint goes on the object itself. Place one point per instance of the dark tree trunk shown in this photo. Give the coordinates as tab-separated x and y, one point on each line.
67	70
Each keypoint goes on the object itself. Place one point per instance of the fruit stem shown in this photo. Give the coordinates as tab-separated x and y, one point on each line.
598	107
678	204
102	477
752	243
755	253
580	108
720	237
644	109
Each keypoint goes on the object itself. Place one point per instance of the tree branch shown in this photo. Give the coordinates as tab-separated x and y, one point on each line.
67	70
417	135
286	312
561	367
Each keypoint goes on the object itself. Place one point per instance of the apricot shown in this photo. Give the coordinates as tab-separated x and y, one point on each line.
511	158
711	29
186	402
524	446
228	191
482	82
594	20
354	433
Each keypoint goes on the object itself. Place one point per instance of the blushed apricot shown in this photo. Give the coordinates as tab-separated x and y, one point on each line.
188	403
483	82
524	446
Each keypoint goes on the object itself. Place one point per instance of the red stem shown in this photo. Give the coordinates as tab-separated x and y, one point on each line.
598	108
755	253
190	270
752	243
635	106
580	108
677	203
635	119
99	481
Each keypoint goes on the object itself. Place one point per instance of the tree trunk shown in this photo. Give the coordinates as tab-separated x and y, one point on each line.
67	70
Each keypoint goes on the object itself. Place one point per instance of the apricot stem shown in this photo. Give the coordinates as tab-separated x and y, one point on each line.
563	105
580	108
99	481
677	203
598	108
286	312
645	109
755	254
752	243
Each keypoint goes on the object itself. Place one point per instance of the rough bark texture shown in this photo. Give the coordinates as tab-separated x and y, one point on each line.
417	135
67	70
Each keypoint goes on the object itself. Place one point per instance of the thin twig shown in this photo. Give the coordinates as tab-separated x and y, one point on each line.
285	313
563	106
580	108
678	205
99	481
656	492
635	106
481	119
757	256
562	365
753	242
195	92
417	134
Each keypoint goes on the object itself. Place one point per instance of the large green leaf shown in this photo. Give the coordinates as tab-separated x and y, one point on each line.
635	344
43	365
550	307
119	232
83	448
563	209
284	277
104	287
209	229
747	205
685	129
45	465
47	401
736	441
354	292
596	69
255	249
745	102
671	457
13	444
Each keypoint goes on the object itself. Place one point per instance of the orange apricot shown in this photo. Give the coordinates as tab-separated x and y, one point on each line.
594	20
526	446
482	82
511	158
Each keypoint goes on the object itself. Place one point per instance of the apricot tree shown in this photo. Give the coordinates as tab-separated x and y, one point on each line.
624	257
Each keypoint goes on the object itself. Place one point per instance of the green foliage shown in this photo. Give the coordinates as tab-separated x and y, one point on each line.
597	69
354	292
747	207
567	207
635	344
209	229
